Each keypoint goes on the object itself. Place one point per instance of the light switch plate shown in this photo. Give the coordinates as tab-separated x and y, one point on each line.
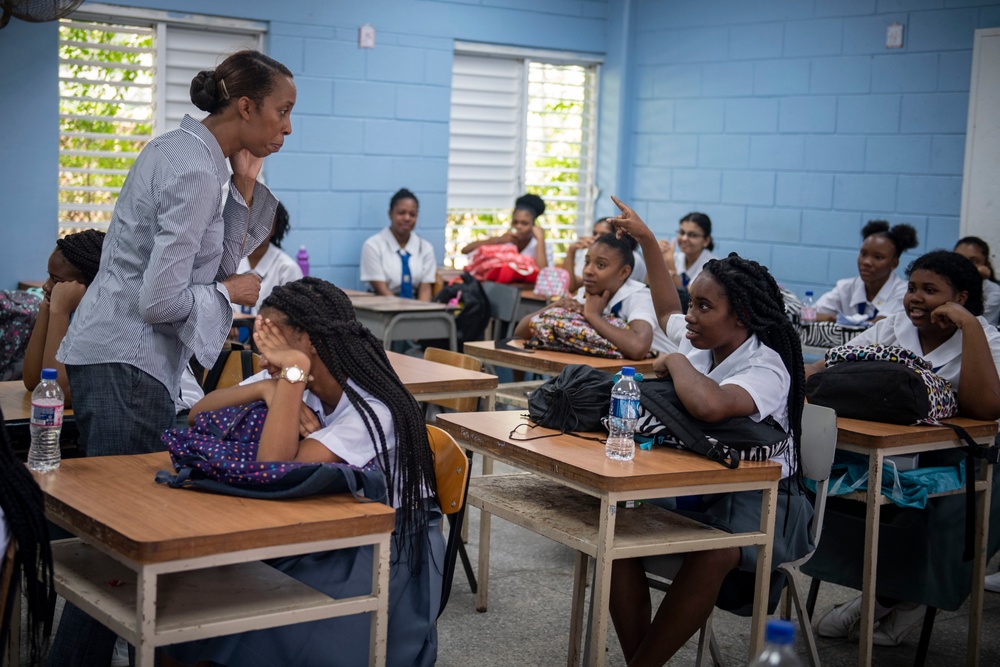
894	36
366	36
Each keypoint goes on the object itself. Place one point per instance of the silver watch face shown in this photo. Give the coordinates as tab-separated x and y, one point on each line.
294	374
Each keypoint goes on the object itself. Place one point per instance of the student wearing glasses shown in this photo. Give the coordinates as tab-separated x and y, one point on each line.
693	248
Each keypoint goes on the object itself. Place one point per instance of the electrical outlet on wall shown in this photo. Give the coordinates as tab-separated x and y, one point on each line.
894	36
366	36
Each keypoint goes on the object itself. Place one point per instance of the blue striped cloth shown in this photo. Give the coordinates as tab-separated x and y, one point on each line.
174	236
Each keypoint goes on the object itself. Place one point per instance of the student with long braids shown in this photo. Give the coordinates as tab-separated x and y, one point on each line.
333	396
22	521
72	267
738	356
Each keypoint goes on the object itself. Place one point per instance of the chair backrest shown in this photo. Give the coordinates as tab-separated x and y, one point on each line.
819	443
459	360
451	468
232	367
504	302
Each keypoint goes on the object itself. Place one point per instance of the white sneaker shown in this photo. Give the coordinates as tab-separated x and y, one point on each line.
903	618
841	621
120	657
993	583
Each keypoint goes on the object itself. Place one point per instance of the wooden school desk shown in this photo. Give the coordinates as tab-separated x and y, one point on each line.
161	566
15	401
572	498
547	362
393	318
430	381
877	441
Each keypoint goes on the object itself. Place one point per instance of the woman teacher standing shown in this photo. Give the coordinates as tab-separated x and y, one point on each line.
179	229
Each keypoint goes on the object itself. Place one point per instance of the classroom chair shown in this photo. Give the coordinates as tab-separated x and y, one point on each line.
232	367
504	302
451	473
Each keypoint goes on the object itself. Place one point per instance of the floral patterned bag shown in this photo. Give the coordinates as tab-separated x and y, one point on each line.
564	330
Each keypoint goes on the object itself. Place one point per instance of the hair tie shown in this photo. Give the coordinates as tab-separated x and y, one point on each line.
225	93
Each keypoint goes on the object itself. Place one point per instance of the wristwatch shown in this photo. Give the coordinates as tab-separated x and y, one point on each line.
293	374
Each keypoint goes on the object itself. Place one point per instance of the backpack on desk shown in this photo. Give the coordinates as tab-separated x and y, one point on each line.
219	454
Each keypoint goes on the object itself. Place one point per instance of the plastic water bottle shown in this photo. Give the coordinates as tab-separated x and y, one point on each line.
303	259
46	423
622	417
779	647
808	313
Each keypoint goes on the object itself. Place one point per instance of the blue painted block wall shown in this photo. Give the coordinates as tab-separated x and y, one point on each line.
791	124
366	123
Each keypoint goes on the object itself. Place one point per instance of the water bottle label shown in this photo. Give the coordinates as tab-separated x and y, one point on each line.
807	314
46	415
627	408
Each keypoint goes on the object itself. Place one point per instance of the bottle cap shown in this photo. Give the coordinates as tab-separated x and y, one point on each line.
780	632
809	293
49	374
628	371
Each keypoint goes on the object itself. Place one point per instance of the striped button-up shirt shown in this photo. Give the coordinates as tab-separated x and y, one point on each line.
174	236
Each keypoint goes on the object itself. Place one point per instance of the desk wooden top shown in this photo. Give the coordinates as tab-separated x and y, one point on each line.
876	435
548	362
15	401
584	462
391	304
114	500
420	376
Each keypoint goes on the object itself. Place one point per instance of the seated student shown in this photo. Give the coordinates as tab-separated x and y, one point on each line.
270	262
876	291
693	248
528	237
576	253
72	267
332	396
977	251
738	356
609	289
940	322
397	262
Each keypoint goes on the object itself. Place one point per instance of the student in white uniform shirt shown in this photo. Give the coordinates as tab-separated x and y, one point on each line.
941	323
876	291
397	262
687	256
270	262
609	290
576	255
738	356
977	251
524	234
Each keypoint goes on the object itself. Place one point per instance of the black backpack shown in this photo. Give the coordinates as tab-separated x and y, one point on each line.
474	313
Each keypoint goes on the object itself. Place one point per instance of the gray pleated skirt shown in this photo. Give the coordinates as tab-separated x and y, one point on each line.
343	642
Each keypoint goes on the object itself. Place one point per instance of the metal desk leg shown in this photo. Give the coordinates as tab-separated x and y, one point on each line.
483	574
768	509
873	510
380	618
576	610
145	649
979	564
602	581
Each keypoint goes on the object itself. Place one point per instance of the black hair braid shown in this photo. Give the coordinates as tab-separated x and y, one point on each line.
757	302
350	351
83	251
24	510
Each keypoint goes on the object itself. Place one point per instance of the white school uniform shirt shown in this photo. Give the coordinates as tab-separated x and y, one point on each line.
848	298
529	250
190	391
380	260
274	268
680	263
343	431
753	366
991	301
897	329
636	304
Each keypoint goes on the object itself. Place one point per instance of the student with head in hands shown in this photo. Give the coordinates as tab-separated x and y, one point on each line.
738	356
524	234
876	291
180	227
941	322
607	288
332	396
397	262
72	267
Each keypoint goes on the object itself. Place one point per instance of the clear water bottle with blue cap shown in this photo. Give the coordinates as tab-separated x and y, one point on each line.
46	423
622	417
779	646
808	313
